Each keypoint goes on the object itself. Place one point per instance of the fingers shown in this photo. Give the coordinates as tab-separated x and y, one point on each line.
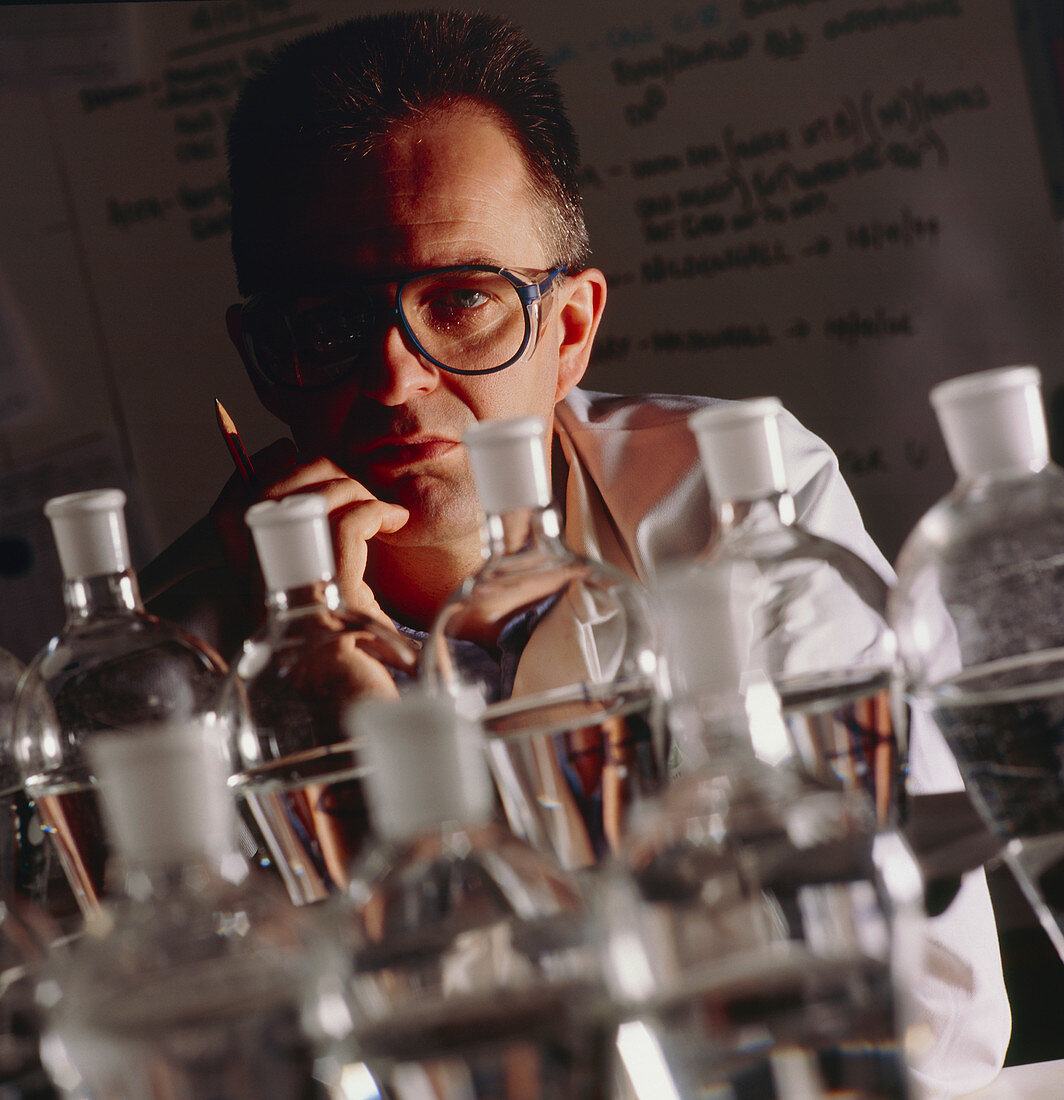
347	499
356	517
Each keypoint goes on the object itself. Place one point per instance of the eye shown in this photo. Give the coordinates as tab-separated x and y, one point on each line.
469	297
458	299
472	305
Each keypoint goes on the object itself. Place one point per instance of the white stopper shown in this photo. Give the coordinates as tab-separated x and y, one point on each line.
740	447
509	462
90	532
993	420
293	540
425	765
164	793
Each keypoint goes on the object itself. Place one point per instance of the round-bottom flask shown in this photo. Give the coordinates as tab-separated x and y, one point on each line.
112	667
295	765
979	618
556	656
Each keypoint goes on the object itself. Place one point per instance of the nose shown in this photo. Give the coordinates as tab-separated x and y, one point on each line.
396	372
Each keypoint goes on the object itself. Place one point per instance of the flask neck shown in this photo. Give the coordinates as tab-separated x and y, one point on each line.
196	873
106	594
772	509
521	531
466	826
1004	474
321	595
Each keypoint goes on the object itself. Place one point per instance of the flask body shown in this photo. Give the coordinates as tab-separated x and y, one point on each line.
296	765
196	976
748	936
556	654
192	992
812	619
26	938
27	864
294	762
979	622
472	967
770	900
473	970
810	613
567	690
113	669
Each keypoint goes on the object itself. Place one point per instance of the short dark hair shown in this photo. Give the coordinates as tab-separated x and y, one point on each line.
337	92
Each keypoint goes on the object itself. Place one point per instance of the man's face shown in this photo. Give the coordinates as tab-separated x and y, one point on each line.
451	190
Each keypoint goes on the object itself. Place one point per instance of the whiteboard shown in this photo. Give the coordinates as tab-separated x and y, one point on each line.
840	202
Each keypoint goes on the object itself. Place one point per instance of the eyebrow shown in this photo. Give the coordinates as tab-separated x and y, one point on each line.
479	259
326	277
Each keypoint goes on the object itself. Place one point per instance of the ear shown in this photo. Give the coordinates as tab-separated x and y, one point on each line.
267	394
583	300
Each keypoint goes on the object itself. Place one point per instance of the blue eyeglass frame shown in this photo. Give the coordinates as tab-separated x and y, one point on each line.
527	292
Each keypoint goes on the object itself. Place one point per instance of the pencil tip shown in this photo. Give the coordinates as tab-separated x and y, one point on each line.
225	421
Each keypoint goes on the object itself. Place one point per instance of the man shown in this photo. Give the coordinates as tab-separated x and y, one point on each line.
367	164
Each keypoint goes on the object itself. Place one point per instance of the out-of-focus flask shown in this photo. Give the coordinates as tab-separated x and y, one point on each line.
113	666
979	614
295	765
26	861
11	825
749	928
26	932
195	978
473	974
816	620
27	937
557	655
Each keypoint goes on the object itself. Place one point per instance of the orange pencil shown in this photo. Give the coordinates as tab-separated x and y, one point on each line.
235	444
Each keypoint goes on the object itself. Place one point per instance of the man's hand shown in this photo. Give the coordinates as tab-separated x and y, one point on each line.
355	515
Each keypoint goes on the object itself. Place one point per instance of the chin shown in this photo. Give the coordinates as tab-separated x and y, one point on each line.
438	514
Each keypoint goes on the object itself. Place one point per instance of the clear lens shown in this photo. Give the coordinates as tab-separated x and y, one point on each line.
469	320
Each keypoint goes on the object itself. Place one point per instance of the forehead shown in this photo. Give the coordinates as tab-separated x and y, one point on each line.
450	188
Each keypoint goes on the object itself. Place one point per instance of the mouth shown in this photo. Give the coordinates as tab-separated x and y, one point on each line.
397	454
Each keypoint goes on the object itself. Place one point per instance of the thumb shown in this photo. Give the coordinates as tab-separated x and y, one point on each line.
393	518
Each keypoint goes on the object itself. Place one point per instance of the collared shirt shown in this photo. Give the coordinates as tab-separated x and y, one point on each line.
496	674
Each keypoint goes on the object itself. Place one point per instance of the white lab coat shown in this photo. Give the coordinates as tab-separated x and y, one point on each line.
635	496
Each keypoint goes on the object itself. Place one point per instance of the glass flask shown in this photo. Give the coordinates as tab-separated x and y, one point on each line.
979	616
557	656
27	865
473	976
27	937
816	621
196	977
294	764
11	824
758	925
113	666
